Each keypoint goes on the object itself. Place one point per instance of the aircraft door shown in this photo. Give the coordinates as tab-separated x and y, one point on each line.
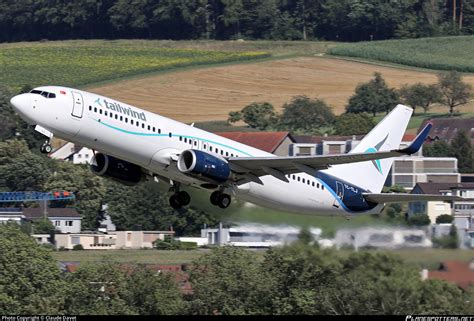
339	193
78	104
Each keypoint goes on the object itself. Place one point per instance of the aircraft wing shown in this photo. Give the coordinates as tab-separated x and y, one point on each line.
253	167
399	197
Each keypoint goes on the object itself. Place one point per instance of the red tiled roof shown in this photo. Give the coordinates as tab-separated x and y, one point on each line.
455	272
337	138
266	141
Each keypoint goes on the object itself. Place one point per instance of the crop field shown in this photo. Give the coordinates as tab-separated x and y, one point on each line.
206	94
76	63
443	53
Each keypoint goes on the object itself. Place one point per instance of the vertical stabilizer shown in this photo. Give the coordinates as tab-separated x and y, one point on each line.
387	135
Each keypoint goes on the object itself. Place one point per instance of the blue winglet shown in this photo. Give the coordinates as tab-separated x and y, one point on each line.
418	141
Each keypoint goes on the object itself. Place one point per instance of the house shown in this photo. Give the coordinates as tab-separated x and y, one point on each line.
407	171
457	272
435	208
249	235
73	153
65	220
272	142
112	240
389	238
332	145
447	128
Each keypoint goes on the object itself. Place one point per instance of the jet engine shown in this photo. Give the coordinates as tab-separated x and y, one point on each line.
203	166
116	169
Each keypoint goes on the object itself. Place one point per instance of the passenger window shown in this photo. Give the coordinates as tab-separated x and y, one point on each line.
205	146
121	118
111	115
100	111
313	184
170	135
185	140
298	178
227	154
138	124
126	119
143	125
131	121
180	138
116	116
149	128
95	109
90	107
154	129
159	131
303	180
105	113
322	187
210	148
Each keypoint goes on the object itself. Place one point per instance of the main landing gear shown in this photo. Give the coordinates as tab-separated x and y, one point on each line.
179	198
46	148
220	199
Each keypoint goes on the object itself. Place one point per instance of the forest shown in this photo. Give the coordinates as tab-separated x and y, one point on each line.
342	20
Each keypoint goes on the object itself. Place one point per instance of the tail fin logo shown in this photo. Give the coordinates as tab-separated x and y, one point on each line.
375	149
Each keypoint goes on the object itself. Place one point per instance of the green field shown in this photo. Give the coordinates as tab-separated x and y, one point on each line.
76	63
443	53
421	258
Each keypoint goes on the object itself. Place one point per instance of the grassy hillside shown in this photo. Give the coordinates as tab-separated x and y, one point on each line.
75	63
443	53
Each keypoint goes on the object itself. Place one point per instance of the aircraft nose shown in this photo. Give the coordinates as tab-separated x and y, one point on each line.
19	102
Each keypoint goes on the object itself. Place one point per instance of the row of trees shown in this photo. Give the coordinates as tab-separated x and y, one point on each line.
345	20
297	279
305	115
375	96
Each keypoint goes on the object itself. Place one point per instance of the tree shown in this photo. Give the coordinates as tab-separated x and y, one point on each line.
152	293
305	236
97	288
30	280
461	148
257	115
438	148
444	218
419	220
43	226
454	91
353	124
305	115
420	95
234	116
27	172
7	117
88	188
373	97
229	281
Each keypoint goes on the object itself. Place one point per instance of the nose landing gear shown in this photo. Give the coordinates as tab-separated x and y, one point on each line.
220	199
46	148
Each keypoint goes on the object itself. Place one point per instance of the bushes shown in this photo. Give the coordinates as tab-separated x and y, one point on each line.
171	244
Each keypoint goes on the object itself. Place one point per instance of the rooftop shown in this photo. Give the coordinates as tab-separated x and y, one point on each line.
33	213
460	273
447	128
336	138
266	141
436	188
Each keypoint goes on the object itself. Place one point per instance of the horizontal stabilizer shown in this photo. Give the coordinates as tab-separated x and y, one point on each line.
400	197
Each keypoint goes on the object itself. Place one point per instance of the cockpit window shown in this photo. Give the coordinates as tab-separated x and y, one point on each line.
43	93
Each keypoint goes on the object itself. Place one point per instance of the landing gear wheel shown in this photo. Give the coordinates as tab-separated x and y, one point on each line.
215	198
174	202
183	198
46	148
224	200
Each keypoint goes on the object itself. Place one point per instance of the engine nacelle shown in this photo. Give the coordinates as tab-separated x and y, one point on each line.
204	166
117	169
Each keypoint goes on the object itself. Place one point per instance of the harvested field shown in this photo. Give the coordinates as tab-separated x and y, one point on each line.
210	93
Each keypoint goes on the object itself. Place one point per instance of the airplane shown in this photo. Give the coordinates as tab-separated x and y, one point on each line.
133	145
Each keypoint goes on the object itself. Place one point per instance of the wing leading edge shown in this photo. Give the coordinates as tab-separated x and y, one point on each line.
253	167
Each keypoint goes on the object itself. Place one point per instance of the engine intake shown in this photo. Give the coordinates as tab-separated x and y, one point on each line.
117	169
204	166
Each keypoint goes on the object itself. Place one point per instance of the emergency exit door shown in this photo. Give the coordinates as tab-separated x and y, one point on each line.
78	104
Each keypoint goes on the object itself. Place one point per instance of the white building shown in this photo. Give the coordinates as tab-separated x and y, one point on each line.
249	235
111	241
65	220
73	153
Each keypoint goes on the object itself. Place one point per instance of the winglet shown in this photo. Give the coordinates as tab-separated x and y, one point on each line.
418	141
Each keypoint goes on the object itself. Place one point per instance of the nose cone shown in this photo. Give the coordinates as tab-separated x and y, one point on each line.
22	105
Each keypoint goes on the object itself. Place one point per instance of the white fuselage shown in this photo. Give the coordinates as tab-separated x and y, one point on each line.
151	141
